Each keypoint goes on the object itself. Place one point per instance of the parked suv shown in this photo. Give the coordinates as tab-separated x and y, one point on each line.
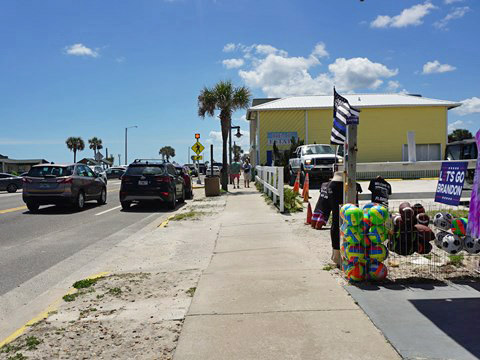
151	180
10	183
72	184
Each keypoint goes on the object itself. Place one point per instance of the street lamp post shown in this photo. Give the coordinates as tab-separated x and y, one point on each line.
126	141
238	134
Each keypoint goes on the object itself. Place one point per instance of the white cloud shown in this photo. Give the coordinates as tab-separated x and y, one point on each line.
469	106
80	50
448	2
232	63
278	74
433	67
393	85
120	59
359	73
459	124
408	17
457	13
229	47
319	50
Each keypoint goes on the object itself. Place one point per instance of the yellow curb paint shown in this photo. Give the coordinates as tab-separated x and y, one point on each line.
44	314
428	179
13	209
198	187
165	223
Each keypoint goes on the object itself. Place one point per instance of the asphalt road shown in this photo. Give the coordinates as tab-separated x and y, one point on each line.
32	243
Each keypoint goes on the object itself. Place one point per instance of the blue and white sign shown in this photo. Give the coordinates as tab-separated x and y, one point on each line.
281	138
450	183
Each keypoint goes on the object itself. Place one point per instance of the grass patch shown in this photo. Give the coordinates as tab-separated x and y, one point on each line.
292	201
31	342
190	292
70	297
9	348
456	260
428	256
115	291
85	283
456	213
189	215
329	267
17	356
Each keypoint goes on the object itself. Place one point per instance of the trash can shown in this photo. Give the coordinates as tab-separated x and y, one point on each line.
212	186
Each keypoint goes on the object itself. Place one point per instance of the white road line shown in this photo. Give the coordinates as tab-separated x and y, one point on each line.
2	195
104	212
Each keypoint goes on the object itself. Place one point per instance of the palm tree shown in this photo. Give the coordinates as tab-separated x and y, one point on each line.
224	97
75	144
95	144
167	152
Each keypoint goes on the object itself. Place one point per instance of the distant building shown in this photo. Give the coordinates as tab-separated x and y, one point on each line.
385	120
19	166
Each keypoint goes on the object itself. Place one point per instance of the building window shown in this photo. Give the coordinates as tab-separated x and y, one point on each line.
425	152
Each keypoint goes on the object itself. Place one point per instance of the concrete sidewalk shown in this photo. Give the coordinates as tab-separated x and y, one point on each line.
265	296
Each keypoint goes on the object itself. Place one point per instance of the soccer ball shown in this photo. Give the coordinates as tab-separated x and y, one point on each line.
442	221
459	226
378	214
377	271
377	252
354	252
352	235
424	233
423	219
439	238
353	216
355	272
452	244
377	234
418	209
471	245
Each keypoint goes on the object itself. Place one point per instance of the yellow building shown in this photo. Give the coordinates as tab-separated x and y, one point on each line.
385	120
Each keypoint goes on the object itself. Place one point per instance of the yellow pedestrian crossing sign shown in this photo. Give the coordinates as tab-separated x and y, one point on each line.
198	148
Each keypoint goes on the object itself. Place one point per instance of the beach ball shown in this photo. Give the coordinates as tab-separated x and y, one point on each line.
355	272
377	271
378	214
367	207
365	224
365	241
343	228
377	234
459	226
352	235
377	252
354	252
345	208
353	216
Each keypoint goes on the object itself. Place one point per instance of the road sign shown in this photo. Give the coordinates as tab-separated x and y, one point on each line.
98	156
197	136
198	148
197	158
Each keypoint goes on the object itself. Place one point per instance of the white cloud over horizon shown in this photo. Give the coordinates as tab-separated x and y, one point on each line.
434	67
81	50
233	63
457	13
469	106
408	17
458	124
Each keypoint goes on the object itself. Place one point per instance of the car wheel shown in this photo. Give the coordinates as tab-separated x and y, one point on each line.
80	202
102	200
32	207
125	205
182	199
12	188
172	204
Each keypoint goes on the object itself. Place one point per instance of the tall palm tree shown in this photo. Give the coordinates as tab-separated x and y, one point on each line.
95	144
75	144
167	152
225	97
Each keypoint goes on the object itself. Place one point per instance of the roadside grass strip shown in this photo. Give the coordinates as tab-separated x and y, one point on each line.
165	222
53	307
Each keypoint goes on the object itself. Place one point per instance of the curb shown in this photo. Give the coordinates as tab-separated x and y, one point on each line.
165	222
44	314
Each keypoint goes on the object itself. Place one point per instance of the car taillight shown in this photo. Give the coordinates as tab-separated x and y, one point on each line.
67	180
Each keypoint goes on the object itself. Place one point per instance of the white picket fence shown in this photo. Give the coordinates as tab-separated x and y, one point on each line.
271	178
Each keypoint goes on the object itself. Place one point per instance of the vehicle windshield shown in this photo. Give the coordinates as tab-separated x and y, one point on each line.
146	170
44	171
318	149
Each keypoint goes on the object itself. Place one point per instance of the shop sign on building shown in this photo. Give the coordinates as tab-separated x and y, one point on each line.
450	182
281	138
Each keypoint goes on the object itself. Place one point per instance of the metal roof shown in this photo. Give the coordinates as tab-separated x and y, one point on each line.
356	100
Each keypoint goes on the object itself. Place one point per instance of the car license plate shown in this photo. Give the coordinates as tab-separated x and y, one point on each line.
44	186
142	182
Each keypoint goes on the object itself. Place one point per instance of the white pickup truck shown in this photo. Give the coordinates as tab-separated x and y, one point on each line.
316	159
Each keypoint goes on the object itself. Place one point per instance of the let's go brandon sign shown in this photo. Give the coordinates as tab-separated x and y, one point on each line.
450	182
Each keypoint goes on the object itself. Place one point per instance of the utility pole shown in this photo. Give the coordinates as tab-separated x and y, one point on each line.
119	160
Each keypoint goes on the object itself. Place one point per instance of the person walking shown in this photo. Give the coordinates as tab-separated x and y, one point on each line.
246	173
235	169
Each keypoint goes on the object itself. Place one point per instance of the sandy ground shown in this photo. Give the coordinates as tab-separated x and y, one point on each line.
138	311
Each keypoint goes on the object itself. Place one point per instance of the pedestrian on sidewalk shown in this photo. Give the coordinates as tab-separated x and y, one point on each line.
246	173
235	169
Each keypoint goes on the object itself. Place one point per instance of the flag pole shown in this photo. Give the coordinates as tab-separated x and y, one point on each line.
351	165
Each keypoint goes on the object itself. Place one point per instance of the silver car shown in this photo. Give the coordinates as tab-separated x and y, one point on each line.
10	183
72	184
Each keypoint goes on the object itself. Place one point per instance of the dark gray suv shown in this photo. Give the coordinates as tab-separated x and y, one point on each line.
72	184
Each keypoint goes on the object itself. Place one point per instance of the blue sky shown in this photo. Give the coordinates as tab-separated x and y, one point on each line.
91	68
